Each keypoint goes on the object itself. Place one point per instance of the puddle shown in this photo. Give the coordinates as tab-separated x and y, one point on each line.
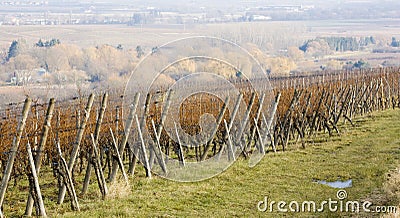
337	184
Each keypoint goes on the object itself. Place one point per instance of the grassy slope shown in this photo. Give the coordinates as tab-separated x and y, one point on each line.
364	153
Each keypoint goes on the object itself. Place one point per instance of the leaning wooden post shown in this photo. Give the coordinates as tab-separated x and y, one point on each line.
143	148
36	188
159	129
128	126
270	121
259	110
14	149
244	123
180	153
219	120
42	144
235	111
67	180
119	158
261	149
116	124
97	168
141	127
77	144
96	138
228	128
231	155
159	156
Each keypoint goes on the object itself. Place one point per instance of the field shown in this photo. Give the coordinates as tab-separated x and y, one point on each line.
366	153
318	116
103	150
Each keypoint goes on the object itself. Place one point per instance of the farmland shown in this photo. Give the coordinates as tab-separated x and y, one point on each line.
314	111
107	120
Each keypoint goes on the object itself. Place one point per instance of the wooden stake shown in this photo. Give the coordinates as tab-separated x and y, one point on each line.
77	144
244	124
142	126
14	150
229	127
160	158
101	181
128	126
180	153
219	120
158	132
120	163
96	138
36	188
42	144
231	154
67	180
143	148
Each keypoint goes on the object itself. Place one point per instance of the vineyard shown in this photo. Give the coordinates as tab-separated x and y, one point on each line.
68	140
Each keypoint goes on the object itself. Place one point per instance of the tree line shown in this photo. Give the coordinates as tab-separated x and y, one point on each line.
54	62
339	44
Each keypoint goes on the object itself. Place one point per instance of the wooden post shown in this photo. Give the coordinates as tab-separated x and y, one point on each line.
36	187
180	153
158	132
219	120
119	159
78	118
14	150
236	109
260	139
259	110
128	126
142	127
101	181
143	148
42	144
231	154
116	125
244	123
160	158
269	124
67	180
228	128
77	144
96	138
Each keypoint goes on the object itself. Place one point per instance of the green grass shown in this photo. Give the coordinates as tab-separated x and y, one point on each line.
364	153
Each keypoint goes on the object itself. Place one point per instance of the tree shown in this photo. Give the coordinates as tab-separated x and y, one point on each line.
22	62
139	51
334	65
48	44
280	66
295	53
395	43
316	48
56	59
14	50
105	61
40	43
361	64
